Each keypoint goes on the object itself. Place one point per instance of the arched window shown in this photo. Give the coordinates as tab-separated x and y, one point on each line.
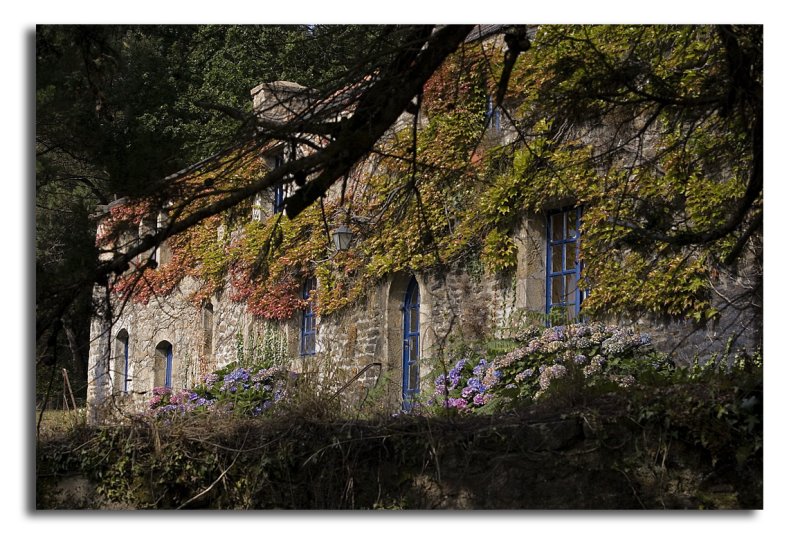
163	365
411	346
121	354
308	324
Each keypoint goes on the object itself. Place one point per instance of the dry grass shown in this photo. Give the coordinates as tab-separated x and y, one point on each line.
55	422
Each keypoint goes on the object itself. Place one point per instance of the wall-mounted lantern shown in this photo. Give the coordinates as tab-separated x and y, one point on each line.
342	237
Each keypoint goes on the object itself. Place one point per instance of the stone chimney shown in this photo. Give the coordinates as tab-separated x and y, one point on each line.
280	101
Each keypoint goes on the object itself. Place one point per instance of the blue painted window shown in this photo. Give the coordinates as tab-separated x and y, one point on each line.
121	365
308	325
563	296
493	115
279	191
411	348
168	371
125	365
164	364
277	205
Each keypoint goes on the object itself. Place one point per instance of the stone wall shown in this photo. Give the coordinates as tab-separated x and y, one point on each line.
452	305
455	303
367	336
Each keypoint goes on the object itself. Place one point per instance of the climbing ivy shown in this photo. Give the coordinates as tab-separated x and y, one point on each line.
623	121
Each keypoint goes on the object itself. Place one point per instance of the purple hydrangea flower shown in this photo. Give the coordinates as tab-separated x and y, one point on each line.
524	375
210	379
460	404
238	375
480	399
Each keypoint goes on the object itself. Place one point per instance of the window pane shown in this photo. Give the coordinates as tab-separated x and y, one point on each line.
413	320
556	258
572	224
570	313
572	288
557	290
160	366
572	255
413	377
557	226
307	344
413	348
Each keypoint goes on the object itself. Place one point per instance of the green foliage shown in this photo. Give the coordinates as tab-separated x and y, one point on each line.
269	347
499	251
664	169
734	414
630	122
653	130
129	99
671	446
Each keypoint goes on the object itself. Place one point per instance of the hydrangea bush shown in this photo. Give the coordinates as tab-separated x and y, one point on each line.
589	354
247	391
462	387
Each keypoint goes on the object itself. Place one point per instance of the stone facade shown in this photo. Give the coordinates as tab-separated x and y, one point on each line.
366	334
137	347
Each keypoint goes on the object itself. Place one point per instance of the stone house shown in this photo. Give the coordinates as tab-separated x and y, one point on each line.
395	336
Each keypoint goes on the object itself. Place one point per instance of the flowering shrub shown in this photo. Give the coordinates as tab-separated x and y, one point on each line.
589	354
231	389
461	387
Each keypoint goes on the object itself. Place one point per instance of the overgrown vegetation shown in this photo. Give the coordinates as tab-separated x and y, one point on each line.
691	443
118	109
654	130
592	410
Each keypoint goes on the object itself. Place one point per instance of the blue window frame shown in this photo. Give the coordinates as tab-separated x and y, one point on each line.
121	363
308	325
493	115
279	192
411	348
277	204
563	295
164	350
168	371
125	365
